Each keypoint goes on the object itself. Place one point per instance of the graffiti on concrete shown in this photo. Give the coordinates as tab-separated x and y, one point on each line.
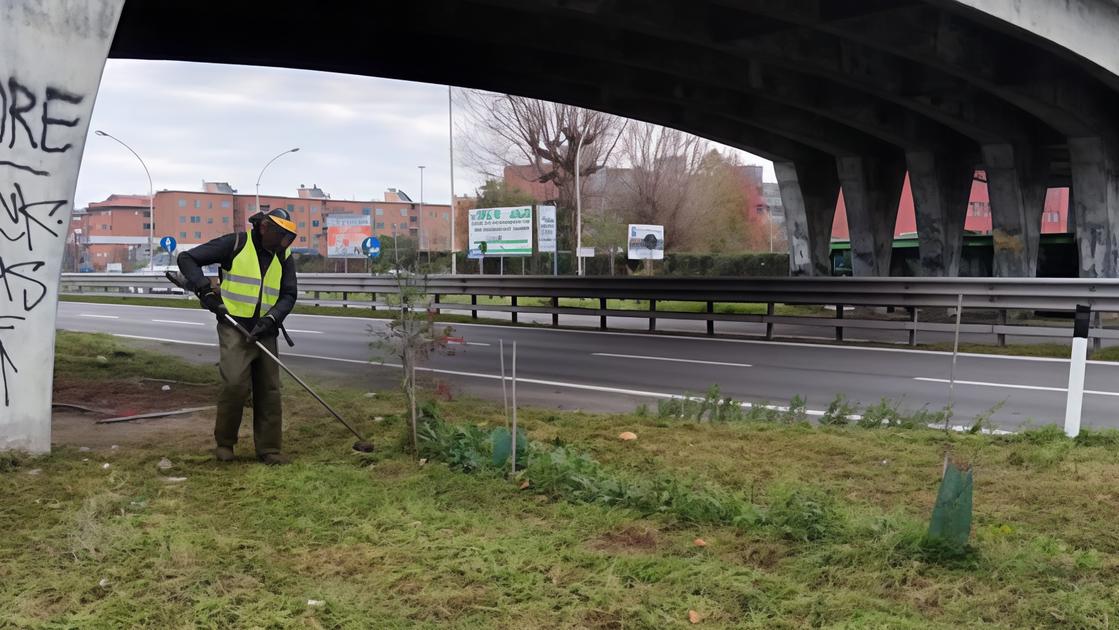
27	225
51	58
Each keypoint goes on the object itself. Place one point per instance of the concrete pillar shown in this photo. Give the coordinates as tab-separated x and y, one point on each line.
809	190
1094	203
871	192
51	58
941	186
1016	185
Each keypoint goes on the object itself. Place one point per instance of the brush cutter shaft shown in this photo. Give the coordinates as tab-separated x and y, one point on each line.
178	280
280	363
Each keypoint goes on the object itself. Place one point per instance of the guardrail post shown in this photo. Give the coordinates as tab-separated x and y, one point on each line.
373	300
474	302
316	297
839	324
913	331
768	324
652	320
436	296
1000	320
513	303
345	298
1097	342
711	322
602	318
555	315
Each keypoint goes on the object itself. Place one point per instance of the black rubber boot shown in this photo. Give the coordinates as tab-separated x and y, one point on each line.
224	454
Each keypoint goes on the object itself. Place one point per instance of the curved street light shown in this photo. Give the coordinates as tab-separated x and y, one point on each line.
151	199
266	168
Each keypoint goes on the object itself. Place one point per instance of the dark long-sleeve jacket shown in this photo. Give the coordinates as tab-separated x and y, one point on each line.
222	251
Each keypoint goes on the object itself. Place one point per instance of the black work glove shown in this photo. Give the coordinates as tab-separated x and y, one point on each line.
211	302
265	327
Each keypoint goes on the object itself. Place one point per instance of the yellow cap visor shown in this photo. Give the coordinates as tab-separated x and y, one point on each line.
284	223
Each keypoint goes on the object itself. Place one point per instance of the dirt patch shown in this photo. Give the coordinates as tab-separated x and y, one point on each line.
632	539
126	397
192	431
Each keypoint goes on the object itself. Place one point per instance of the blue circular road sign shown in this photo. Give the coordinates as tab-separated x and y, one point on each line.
168	243
371	246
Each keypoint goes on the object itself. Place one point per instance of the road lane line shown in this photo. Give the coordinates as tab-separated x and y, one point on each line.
641	393
99	316
686	337
494	377
177	321
306	332
1040	388
182	341
646	358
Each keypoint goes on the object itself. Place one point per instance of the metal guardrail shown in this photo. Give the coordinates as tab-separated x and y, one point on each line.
997	294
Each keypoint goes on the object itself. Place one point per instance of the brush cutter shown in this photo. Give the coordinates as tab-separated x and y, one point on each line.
362	445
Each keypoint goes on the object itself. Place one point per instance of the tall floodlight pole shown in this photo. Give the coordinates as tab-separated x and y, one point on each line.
451	136
578	207
151	200
266	168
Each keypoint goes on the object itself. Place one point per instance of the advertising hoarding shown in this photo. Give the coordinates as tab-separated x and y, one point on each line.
505	231
345	234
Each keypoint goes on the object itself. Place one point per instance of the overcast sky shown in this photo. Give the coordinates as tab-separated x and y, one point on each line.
191	122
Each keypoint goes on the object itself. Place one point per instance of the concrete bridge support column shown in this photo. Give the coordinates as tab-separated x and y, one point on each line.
871	191
1094	206
1016	185
809	191
941	186
51	58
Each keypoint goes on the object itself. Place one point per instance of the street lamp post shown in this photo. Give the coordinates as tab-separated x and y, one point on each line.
151	200
451	135
266	168
578	207
420	223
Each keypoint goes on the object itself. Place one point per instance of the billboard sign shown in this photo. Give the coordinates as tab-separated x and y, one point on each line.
345	233
546	228
505	231
646	242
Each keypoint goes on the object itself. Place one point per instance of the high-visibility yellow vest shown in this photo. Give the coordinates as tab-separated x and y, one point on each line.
242	288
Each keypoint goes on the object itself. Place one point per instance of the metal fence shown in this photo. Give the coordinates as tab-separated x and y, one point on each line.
994	297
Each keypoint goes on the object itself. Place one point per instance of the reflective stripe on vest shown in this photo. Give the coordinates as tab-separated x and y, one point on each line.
242	288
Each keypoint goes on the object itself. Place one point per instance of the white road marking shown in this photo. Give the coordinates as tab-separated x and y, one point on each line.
306	332
99	316
1040	388
596	388
188	343
468	343
646	358
794	344
177	321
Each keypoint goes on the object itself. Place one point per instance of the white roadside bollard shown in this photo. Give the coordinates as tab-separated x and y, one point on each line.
1076	370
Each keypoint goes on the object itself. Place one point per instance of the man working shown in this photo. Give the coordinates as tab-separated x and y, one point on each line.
258	288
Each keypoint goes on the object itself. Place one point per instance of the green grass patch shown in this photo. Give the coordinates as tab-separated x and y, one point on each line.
96	356
802	525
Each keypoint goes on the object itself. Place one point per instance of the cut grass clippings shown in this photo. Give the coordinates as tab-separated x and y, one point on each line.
384	542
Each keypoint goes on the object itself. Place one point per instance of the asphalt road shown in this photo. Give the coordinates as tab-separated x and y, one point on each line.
614	371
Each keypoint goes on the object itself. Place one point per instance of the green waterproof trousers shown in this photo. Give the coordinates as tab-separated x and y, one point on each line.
244	369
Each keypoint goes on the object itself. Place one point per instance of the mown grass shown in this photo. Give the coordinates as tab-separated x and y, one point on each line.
387	543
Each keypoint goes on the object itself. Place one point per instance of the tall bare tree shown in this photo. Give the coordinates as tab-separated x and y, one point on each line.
658	185
504	130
